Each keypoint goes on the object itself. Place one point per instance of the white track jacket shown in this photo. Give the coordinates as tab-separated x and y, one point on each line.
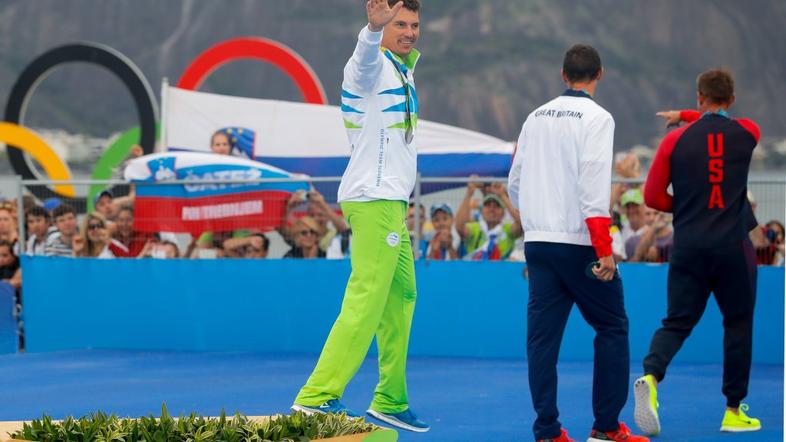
377	92
561	175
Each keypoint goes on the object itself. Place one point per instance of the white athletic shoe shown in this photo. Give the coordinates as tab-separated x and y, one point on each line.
645	413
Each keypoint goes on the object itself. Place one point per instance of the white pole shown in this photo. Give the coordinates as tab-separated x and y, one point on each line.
20	213
164	111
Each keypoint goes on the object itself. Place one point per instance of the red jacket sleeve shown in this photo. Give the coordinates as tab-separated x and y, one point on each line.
659	176
689	116
599	235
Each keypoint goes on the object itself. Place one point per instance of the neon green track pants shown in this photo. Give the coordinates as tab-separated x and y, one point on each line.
379	300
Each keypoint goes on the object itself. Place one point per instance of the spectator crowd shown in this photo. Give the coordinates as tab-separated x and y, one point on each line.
482	226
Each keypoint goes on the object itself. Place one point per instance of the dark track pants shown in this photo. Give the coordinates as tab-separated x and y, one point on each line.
557	280
728	272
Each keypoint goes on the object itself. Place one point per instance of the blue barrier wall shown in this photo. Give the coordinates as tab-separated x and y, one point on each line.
8	337
464	308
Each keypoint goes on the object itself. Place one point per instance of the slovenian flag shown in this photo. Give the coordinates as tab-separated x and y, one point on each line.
241	203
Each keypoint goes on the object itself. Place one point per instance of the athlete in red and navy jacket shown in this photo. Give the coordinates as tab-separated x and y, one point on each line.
706	162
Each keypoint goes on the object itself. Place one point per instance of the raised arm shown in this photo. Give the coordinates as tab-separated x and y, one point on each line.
462	214
338	221
362	70
289	217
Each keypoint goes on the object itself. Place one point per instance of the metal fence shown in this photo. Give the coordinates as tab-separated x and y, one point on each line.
431	195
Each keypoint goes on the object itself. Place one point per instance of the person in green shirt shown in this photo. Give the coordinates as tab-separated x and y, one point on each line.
489	238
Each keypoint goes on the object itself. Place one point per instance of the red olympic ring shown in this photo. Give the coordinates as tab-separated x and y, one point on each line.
256	48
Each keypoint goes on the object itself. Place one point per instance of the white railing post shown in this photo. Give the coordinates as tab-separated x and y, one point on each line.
20	213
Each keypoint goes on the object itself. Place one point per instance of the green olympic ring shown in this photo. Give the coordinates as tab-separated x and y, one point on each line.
111	159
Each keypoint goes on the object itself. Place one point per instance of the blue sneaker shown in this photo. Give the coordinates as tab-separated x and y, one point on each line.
333	406
405	420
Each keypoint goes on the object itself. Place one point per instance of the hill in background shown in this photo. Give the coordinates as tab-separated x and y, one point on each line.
486	64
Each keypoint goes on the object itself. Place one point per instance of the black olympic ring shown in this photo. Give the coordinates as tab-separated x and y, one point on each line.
87	52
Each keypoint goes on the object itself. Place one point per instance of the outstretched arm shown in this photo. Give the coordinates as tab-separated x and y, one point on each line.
675	117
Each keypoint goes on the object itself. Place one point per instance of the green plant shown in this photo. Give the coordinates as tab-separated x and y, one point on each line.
100	427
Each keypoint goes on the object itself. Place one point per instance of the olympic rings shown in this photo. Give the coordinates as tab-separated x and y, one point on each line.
21	140
40	68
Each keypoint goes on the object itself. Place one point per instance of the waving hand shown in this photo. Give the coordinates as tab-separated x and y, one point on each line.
380	13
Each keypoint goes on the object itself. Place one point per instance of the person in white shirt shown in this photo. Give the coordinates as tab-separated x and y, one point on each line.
560	182
380	106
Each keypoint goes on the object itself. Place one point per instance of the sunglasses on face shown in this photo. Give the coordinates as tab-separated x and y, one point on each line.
95	226
307	232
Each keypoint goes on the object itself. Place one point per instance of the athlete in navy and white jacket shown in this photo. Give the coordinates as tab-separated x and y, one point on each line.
561	182
565	152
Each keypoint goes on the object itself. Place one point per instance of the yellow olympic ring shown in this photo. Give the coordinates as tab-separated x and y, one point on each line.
28	141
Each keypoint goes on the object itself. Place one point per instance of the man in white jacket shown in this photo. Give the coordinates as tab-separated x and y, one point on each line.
561	183
380	107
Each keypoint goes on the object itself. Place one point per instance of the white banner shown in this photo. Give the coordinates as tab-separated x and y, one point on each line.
283	133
